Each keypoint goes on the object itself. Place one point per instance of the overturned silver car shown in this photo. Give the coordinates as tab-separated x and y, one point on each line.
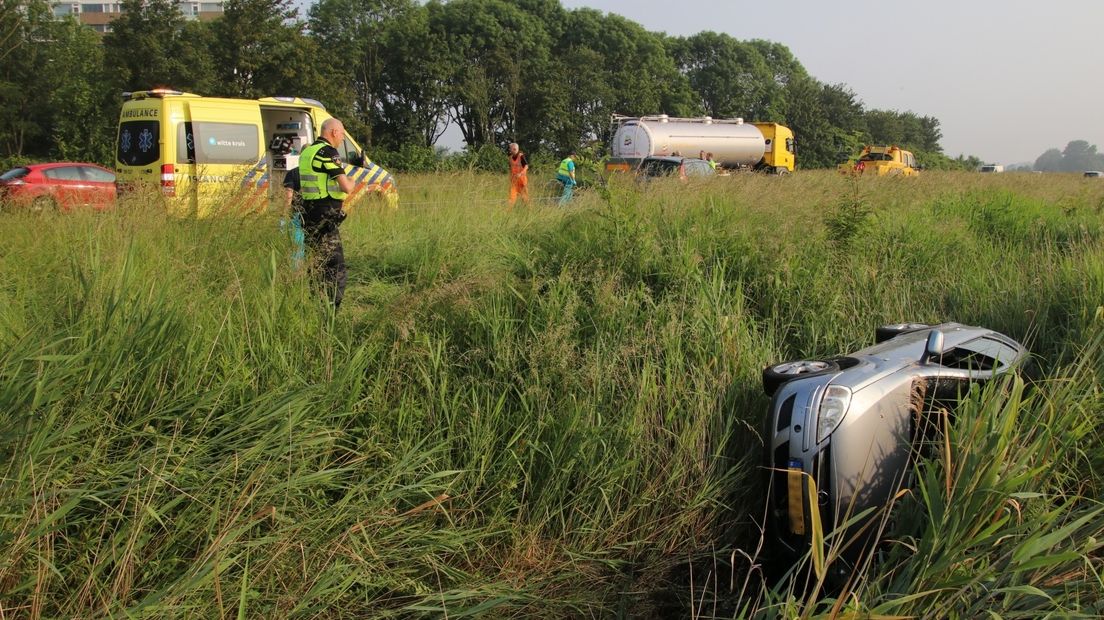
841	431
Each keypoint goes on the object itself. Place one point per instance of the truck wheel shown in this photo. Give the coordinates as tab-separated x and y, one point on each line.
774	376
781	171
885	332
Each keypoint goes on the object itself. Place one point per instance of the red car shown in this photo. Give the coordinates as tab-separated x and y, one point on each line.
61	185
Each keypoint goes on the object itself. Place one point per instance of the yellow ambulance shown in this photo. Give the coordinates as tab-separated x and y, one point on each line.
210	154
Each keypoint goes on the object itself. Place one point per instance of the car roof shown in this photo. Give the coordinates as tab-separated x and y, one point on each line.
58	164
677	159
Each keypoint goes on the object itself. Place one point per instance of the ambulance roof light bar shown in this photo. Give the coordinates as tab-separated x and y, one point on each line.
156	92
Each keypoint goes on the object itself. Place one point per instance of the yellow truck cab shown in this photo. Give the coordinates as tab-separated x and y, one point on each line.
207	153
778	155
883	161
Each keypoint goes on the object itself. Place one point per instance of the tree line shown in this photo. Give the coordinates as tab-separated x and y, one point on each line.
1078	156
399	71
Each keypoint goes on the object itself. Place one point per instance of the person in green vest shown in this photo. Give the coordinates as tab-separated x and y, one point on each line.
324	186
566	175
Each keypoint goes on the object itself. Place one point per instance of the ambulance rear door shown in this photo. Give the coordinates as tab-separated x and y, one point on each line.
139	144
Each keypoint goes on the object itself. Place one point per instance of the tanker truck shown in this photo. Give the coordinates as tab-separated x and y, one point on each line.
763	147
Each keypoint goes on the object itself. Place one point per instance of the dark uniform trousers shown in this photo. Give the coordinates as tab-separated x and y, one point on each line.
321	219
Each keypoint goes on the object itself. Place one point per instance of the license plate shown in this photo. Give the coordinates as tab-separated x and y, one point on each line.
795	486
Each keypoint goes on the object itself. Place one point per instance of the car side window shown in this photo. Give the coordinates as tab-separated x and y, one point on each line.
15	173
96	175
63	173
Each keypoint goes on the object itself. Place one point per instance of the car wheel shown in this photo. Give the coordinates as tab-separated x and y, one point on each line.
44	204
885	332
774	376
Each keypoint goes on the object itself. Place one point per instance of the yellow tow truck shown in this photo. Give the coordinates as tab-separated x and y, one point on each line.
883	161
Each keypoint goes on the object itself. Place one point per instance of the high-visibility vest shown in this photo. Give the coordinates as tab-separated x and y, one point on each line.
564	169
515	164
315	185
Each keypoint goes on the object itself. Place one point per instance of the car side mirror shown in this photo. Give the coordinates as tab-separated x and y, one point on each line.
933	349
356	159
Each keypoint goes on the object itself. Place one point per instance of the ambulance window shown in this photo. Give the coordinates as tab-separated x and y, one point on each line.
225	143
185	144
139	143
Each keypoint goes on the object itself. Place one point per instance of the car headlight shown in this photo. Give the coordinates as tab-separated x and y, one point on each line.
833	406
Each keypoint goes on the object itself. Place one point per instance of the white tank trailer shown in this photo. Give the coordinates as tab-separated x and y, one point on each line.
734	143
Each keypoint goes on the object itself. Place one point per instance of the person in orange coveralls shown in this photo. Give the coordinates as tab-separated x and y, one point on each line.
519	179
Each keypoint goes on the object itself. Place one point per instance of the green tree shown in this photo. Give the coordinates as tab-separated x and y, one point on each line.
151	45
78	95
413	96
826	119
26	31
730	77
494	51
1049	161
52	87
13	20
781	62
258	50
351	37
939	161
608	64
917	133
1079	155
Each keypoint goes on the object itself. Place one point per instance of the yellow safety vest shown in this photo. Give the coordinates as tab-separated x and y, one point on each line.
313	183
565	170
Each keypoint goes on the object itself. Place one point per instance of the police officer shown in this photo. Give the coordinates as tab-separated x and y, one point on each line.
324	185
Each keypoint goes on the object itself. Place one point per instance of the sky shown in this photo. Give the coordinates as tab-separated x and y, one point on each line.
1007	79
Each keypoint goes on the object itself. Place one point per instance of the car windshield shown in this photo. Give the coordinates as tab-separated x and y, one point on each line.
659	167
698	169
876	157
14	173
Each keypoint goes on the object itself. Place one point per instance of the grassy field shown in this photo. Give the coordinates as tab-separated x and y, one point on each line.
537	412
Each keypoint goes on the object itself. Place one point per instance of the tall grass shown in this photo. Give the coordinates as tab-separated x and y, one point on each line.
530	412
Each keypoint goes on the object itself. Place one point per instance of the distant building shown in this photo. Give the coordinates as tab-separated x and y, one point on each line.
99	15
